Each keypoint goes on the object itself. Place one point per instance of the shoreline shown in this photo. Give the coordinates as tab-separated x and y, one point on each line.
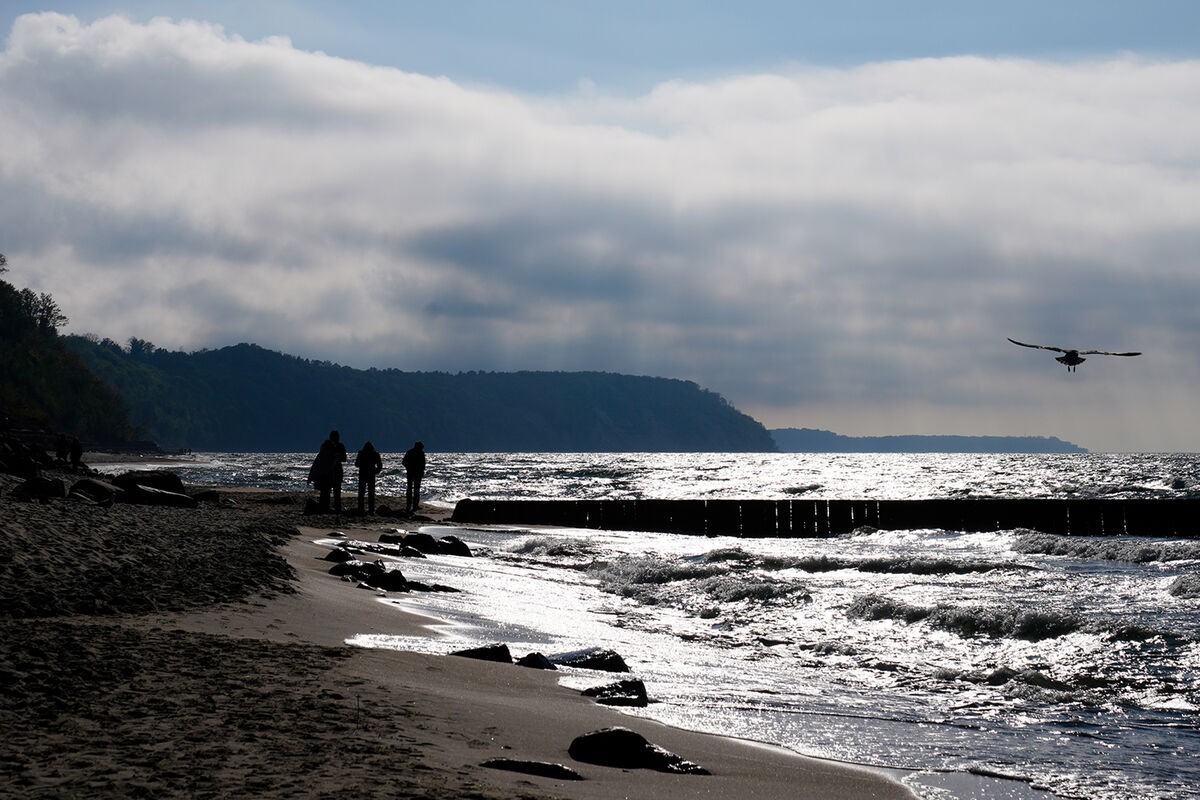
260	696
947	782
502	694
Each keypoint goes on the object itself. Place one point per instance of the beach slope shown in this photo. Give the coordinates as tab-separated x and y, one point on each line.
200	653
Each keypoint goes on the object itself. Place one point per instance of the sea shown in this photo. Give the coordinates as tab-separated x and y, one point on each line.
1011	664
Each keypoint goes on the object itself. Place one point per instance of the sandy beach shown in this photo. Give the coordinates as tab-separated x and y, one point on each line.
154	652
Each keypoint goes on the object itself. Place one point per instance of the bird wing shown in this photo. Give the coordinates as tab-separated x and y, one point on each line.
1039	346
1105	353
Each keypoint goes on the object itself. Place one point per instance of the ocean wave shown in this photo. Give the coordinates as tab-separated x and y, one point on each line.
969	621
552	547
901	565
1185	586
652	570
730	589
1005	622
689	585
1004	676
725	554
1131	551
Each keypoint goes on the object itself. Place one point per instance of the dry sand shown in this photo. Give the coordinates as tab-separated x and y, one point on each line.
174	653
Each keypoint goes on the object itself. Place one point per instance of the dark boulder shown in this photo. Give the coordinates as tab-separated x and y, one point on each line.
40	488
544	769
535	661
390	537
417	586
423	542
350	567
392	580
493	652
410	552
623	748
453	546
339	554
161	479
20	459
96	490
372	572
631	693
591	658
150	496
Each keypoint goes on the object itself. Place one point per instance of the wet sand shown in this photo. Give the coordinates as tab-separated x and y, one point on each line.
199	653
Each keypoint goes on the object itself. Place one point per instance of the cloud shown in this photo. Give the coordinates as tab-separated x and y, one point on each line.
843	248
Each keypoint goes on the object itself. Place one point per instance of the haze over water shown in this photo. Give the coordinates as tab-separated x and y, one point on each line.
1073	663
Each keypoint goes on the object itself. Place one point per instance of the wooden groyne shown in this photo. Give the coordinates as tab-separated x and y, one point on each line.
1175	518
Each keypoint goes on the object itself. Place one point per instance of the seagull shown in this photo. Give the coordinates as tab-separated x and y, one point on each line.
1072	358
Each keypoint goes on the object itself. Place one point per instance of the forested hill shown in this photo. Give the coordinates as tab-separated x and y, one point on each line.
44	387
246	398
809	440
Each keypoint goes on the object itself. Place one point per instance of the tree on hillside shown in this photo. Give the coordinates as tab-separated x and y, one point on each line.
43	381
42	310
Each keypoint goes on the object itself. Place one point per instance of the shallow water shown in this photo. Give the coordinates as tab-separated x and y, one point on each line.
1071	663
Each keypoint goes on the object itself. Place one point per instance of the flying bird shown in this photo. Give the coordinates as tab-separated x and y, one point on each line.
1072	358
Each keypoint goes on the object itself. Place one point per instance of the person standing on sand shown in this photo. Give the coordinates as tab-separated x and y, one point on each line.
326	471
369	464
414	469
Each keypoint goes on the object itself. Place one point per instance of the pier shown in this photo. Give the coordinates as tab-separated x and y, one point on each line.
1168	517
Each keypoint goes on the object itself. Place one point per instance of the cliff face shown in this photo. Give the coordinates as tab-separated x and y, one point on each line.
246	398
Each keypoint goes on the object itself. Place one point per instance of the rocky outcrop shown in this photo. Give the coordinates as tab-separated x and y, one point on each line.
453	546
160	479
493	652
418	545
39	488
629	693
535	661
20	459
96	490
545	769
625	749
591	658
151	496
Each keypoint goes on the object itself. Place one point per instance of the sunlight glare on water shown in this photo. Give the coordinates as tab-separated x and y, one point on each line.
1074	663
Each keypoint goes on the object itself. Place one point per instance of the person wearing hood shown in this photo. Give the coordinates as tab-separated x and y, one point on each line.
326	471
369	464
414	470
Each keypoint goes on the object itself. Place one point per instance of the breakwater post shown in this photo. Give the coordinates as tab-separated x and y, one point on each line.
1168	517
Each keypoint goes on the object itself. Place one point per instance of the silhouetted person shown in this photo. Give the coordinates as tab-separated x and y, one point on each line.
414	470
62	447
76	452
326	471
369	464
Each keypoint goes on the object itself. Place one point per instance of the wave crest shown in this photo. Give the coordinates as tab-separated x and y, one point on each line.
1185	586
969	621
1131	551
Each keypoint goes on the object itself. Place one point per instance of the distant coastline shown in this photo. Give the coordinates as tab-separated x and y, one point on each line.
810	440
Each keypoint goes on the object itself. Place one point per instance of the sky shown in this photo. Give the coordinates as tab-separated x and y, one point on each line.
832	217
